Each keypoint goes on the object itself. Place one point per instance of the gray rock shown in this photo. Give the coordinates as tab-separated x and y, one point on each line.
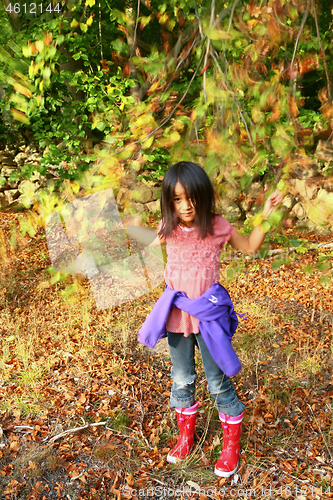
50	185
8	162
156	193
232	212
32	148
20	159
3	201
142	193
324	151
36	176
133	208
7	171
287	201
5	156
34	158
12	185
153	206
298	211
305	188
11	195
27	187
12	152
123	195
254	190
131	177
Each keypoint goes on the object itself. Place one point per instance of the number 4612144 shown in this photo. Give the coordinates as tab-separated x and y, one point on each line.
32	8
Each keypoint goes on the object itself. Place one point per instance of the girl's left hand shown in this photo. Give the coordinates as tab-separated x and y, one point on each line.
272	201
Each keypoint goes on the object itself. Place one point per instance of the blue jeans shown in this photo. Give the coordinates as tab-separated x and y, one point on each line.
183	375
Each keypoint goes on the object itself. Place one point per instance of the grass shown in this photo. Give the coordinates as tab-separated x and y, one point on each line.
63	362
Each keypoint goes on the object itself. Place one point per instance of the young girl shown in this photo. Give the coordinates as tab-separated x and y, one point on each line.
195	310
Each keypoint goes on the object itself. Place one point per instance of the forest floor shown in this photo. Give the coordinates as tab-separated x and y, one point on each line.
84	409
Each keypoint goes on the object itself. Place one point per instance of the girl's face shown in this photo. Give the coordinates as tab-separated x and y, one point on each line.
183	206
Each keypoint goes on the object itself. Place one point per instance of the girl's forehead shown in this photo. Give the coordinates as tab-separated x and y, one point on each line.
179	188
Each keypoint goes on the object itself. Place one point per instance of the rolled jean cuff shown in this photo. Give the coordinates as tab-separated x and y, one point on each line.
182	402
233	410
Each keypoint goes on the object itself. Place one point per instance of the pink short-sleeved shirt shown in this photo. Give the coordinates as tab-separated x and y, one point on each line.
193	265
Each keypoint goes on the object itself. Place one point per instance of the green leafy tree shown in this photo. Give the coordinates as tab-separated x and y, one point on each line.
222	83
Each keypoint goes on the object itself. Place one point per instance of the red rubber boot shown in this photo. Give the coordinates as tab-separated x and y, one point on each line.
186	422
228	462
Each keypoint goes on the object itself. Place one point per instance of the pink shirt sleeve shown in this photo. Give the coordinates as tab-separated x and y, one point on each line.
223	230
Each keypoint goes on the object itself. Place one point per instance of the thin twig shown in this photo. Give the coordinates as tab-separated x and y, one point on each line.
140	422
197	137
164	121
297	40
100	28
123	435
71	431
136	26
321	433
322	53
234	98
193	44
198	18
204	80
232	14
212	14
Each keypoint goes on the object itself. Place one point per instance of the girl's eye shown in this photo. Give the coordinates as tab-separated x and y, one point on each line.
176	199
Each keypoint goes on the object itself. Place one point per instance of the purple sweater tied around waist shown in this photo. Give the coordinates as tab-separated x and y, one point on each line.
217	323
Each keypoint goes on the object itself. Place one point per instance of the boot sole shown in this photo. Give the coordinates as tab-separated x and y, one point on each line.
222	473
174	460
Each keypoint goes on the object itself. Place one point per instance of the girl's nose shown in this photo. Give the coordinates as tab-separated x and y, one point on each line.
188	204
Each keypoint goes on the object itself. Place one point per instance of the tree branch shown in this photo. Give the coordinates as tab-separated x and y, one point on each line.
136	27
235	99
232	14
322	53
297	40
163	122
100	28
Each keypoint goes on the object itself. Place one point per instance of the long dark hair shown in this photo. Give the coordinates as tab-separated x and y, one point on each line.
199	189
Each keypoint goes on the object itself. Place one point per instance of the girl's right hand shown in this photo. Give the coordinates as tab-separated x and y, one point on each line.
272	201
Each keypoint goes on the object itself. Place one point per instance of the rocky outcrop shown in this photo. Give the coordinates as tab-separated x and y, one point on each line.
310	198
12	186
313	189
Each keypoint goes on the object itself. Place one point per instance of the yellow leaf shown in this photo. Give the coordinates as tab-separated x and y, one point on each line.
19	116
89	21
153	87
215	34
252	22
75	187
26	50
163	19
39	45
148	142
22	90
90	3
174	137
74	24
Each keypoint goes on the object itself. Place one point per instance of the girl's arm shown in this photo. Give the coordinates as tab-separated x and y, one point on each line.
157	241
251	244
144	235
